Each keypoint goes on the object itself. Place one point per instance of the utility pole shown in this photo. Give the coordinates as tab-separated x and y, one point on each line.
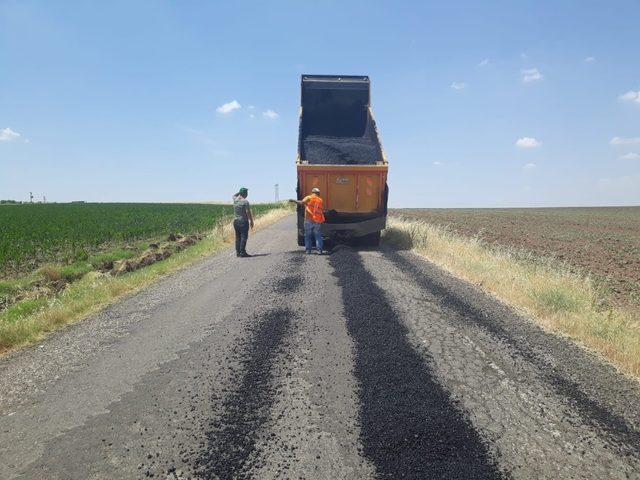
277	195
30	197
44	199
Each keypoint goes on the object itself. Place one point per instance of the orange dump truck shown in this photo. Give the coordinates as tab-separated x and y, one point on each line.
339	151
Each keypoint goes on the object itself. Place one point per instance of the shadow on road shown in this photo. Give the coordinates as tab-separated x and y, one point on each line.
410	427
527	341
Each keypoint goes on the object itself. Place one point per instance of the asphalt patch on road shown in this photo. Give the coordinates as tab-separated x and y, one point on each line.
231	438
410	426
615	427
290	284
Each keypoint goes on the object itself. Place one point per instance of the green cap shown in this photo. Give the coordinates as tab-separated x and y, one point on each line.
243	191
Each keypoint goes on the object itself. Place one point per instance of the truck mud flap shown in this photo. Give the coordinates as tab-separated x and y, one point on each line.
351	230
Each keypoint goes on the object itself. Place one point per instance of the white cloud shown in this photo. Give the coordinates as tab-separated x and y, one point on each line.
524	56
251	115
437	163
484	63
531	75
458	86
528	142
630	156
625	141
589	59
251	107
529	166
270	114
630	96
229	107
7	135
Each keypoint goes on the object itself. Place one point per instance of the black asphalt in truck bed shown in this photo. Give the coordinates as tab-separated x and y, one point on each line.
353	141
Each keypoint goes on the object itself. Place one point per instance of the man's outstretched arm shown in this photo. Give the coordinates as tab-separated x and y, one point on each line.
302	202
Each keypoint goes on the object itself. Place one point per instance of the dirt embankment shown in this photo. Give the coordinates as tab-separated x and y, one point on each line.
155	253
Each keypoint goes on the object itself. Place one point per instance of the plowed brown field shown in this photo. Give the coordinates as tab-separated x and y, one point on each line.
603	242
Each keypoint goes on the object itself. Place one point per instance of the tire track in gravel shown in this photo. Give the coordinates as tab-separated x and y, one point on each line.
313	432
231	438
410	427
593	413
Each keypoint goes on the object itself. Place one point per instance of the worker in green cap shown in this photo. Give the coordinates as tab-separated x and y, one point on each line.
243	220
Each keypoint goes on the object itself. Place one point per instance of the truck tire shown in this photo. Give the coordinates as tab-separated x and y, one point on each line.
371	240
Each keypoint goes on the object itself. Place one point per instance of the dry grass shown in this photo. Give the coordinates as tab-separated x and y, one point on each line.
545	291
225	229
27	322
50	273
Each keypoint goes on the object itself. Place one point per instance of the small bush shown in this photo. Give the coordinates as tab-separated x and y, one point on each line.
554	300
75	271
50	273
401	239
80	256
8	288
24	308
98	261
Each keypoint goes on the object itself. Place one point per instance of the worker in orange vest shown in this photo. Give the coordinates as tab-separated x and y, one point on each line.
313	219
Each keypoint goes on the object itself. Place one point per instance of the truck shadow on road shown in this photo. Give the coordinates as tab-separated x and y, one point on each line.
527	340
410	427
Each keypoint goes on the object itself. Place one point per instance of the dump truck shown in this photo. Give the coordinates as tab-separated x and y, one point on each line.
339	152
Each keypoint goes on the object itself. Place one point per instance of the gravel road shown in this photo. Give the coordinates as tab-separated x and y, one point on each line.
363	364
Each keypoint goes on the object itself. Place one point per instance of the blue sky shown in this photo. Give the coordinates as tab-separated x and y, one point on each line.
509	103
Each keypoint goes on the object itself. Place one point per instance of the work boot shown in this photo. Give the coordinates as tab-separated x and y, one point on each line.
244	255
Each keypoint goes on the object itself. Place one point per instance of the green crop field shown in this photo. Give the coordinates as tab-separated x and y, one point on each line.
33	234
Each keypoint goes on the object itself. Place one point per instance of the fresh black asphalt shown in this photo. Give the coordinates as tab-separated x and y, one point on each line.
411	428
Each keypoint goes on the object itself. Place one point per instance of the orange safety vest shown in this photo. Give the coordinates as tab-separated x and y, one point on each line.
313	208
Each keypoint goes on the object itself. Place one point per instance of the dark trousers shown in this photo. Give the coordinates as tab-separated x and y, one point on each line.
242	234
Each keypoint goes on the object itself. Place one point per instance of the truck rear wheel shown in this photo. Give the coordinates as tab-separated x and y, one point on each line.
371	240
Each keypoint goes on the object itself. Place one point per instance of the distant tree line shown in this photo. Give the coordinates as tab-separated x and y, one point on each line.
5	202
